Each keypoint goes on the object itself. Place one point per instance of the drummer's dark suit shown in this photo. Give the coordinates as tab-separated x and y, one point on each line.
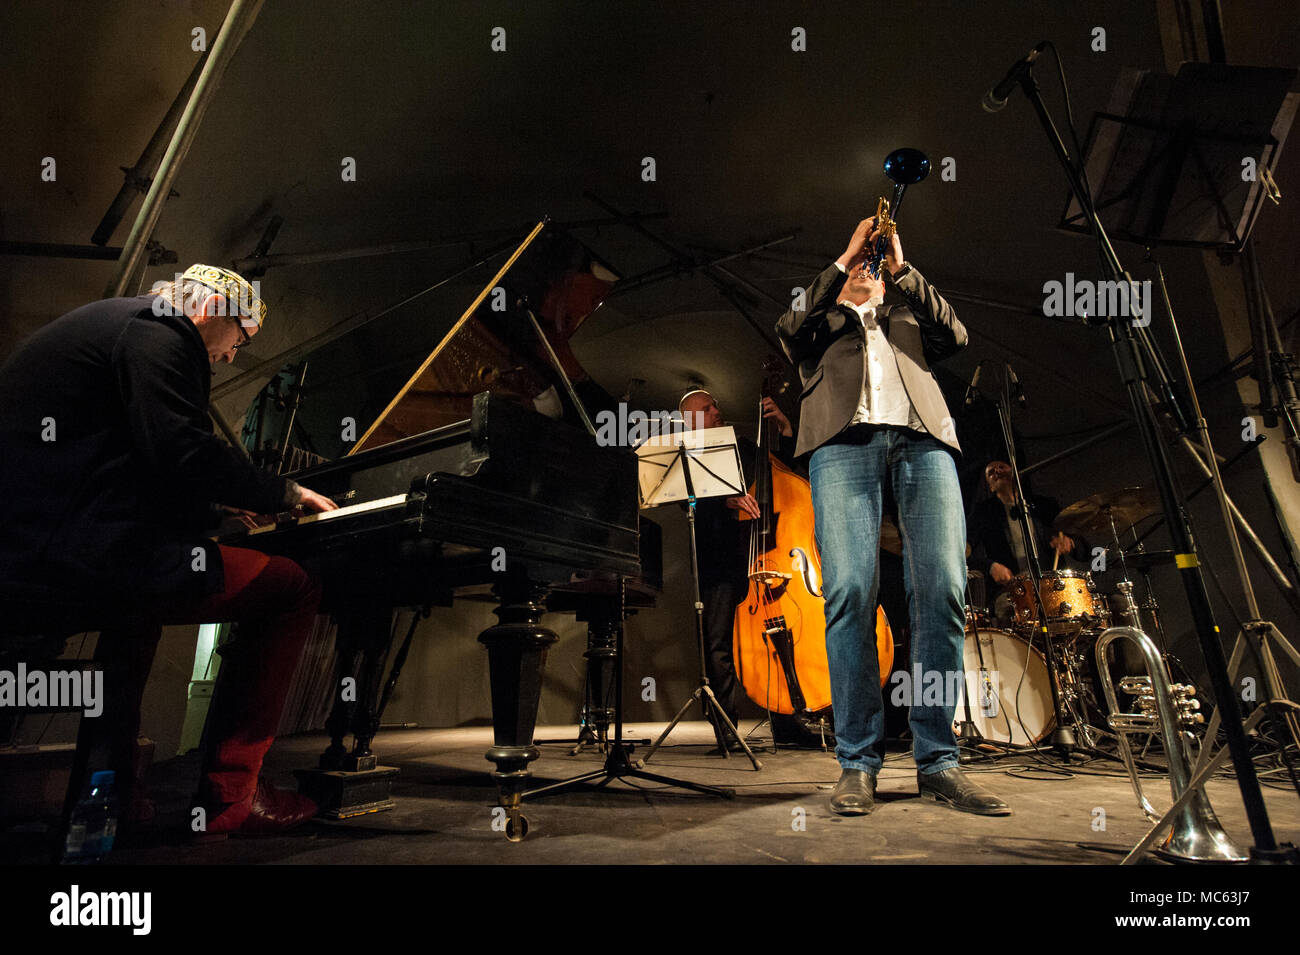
986	532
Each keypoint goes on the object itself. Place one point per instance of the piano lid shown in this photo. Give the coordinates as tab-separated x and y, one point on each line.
493	346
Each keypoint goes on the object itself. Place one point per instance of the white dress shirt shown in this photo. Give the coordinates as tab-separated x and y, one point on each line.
884	398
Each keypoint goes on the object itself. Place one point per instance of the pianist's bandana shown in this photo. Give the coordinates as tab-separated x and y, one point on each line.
236	289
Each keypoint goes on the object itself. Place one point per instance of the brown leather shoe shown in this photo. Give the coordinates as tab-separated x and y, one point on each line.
266	812
854	794
953	787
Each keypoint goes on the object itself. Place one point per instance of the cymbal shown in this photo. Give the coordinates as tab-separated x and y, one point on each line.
1093	514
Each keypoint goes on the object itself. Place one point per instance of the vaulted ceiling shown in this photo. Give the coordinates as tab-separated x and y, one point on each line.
751	141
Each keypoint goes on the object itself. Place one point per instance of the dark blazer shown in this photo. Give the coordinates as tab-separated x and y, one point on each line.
986	532
826	340
110	466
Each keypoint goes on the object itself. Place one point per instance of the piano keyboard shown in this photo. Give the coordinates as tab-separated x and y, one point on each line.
394	501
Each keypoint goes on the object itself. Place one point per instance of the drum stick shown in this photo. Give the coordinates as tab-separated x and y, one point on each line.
1056	560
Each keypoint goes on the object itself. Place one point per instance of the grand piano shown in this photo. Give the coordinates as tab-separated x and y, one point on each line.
451	491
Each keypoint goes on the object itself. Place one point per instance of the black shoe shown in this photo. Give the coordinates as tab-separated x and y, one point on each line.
954	788
732	746
725	739
801	732
854	794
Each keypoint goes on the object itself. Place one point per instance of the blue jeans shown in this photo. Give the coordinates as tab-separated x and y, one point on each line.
849	479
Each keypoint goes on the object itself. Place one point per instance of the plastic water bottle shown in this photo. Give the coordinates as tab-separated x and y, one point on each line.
93	826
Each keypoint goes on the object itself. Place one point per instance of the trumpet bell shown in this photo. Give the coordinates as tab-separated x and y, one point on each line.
904	166
907	166
1165	707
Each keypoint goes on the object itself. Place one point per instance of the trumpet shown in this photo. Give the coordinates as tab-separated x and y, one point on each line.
905	167
1171	709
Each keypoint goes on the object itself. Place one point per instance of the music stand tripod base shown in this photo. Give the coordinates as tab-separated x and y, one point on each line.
704	695
617	765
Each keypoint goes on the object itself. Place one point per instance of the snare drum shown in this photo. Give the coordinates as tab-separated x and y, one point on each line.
1069	597
1004	707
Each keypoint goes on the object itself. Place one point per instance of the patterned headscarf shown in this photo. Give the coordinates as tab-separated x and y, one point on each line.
237	290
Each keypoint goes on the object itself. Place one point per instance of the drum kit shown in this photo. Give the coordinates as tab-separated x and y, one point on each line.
1009	698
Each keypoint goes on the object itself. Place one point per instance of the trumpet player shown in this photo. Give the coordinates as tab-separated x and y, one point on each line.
874	420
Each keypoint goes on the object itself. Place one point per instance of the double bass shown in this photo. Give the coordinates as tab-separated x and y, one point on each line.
779	637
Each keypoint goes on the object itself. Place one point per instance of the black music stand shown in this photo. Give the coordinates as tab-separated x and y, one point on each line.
1143	372
1169	170
617	765
688	466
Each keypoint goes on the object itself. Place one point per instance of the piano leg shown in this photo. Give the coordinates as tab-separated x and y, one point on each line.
516	647
353	783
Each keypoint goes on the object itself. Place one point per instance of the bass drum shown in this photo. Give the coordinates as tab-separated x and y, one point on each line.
1003	707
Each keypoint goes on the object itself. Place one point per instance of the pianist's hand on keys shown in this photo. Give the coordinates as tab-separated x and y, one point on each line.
307	502
312	503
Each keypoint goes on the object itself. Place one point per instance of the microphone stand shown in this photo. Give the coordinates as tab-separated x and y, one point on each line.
1063	740
967	731
1137	362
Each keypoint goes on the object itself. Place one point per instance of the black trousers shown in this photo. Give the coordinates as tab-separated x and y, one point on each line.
720	599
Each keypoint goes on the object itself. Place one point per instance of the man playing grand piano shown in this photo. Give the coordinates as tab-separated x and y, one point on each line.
111	476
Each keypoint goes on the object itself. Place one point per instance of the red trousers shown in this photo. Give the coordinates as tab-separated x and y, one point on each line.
275	601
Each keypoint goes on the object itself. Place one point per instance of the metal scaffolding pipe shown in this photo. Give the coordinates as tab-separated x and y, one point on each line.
260	263
59	250
148	162
239	19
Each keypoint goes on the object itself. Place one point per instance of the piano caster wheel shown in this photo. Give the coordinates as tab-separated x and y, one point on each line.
516	827
639	764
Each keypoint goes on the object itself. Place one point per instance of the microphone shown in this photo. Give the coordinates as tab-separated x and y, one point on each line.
996	98
1015	384
973	390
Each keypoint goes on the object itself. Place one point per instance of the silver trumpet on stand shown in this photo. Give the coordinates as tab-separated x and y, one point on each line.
1171	709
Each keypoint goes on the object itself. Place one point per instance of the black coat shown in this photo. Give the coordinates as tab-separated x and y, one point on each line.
826	340
109	468
986	532
722	539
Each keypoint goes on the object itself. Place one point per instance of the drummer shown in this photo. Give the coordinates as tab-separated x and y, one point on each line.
997	541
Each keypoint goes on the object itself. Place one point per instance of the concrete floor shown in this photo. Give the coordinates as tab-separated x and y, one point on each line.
779	815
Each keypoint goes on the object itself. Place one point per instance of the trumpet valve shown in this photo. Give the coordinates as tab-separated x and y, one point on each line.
1135	685
1134	722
